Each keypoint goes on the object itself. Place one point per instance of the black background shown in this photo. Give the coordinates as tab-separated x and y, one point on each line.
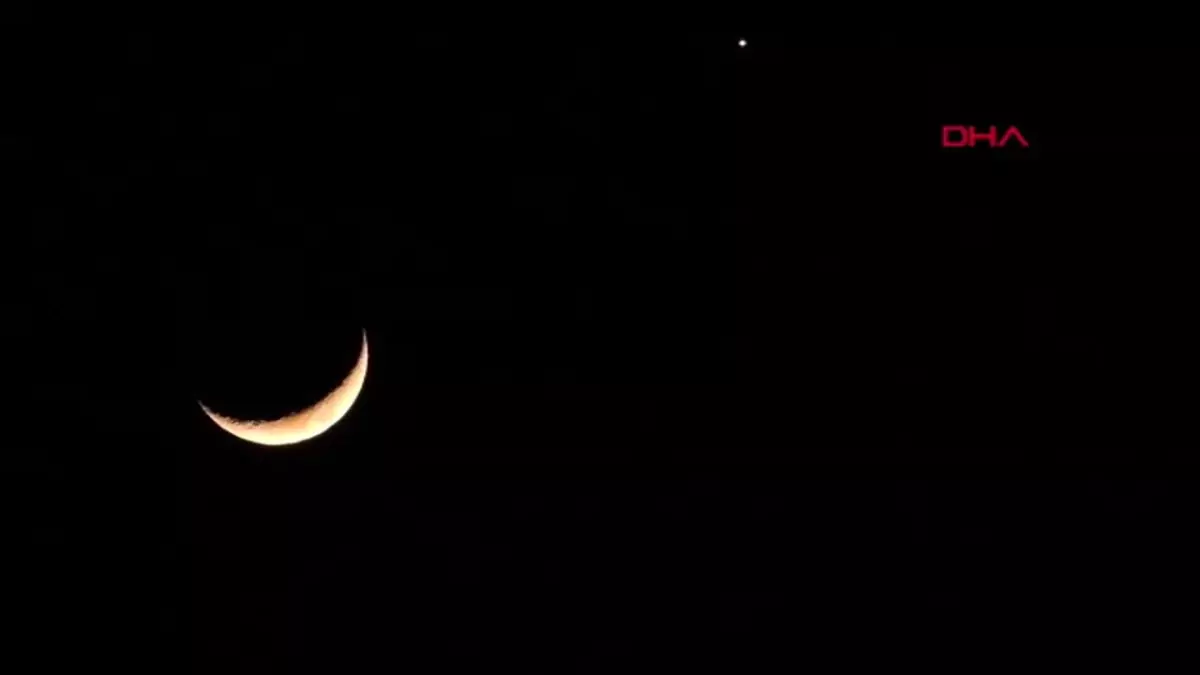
676	347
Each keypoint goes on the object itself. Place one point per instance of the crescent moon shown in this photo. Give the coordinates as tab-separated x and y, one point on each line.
306	424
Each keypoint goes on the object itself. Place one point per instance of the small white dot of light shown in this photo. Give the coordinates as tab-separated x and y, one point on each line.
741	43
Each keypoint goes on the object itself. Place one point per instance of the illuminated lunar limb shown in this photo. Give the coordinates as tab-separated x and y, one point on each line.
306	424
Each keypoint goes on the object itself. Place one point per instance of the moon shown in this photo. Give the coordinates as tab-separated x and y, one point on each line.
306	424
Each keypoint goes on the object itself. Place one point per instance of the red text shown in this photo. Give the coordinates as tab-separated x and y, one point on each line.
967	137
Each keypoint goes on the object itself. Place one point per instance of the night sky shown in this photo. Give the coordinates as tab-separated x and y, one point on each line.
681	352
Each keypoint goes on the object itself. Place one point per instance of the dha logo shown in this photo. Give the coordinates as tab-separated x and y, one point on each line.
967	137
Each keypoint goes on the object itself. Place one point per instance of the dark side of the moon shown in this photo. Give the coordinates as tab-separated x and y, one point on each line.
272	347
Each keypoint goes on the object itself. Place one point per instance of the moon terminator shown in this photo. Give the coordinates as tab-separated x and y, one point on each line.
306	424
